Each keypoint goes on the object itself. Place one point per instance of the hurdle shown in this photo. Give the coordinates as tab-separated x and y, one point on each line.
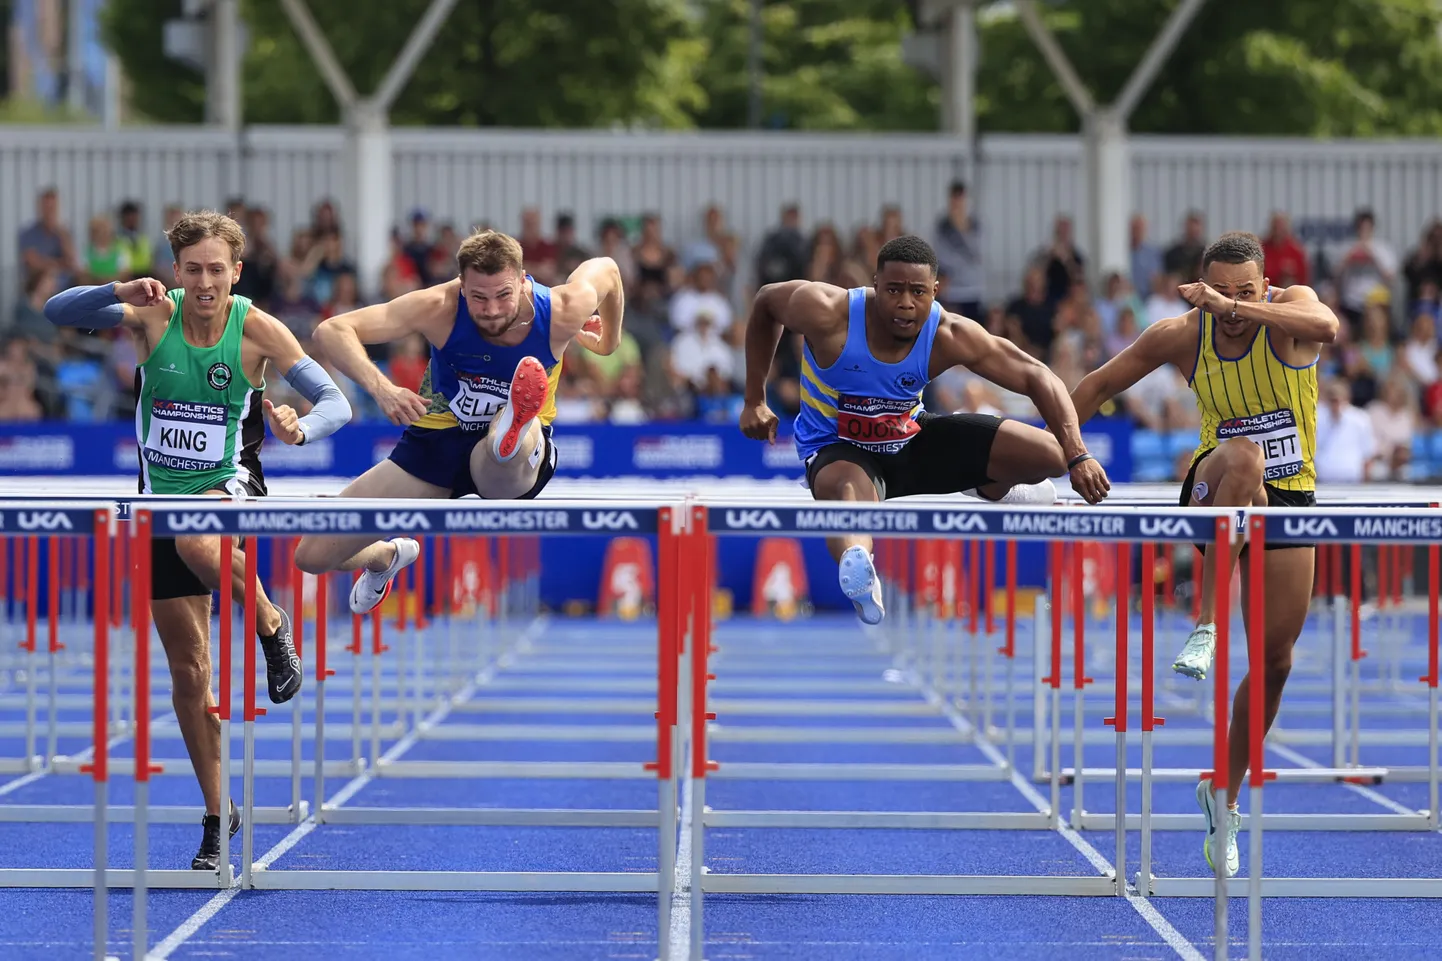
255	520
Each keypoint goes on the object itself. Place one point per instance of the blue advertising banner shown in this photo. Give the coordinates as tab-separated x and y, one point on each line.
665	449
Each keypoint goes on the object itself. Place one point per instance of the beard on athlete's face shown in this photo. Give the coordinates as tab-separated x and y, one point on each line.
493	300
904	295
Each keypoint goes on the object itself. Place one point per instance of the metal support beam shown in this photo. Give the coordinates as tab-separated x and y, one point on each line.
416	46
959	71
1156	55
320	52
1045	41
222	88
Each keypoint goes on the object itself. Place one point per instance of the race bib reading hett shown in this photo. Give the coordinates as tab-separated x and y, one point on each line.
478	399
879	425
1275	433
185	436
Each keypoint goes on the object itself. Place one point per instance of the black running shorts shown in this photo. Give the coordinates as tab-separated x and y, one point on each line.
948	455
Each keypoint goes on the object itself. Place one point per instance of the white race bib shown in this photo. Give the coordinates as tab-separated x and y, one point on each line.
185	436
1275	433
478	399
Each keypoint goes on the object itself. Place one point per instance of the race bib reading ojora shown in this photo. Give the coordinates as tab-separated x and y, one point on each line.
876	423
1275	433
185	436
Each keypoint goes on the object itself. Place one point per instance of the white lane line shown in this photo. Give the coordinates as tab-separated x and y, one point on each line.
680	935
1143	907
196	921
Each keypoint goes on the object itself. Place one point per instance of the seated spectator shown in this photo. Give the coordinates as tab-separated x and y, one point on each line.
716	401
1424	265
261	259
626	406
105	260
1063	264
29	318
293	307
344	296
570	253
699	349
1123	334
606	369
1286	258
1164	301
408	360
17	393
698	297
1035	315
614	245
1429	301
654	260
1161	401
825	263
1346	439
135	246
326	262
441	261
1419	353
576	397
1369	362
400	275
1394	421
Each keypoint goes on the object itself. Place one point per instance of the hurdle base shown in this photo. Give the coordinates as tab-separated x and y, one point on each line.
917	820
1307	775
1240	887
115	878
620	882
273	767
1270	822
541	732
565	770
919	884
19	765
125	814
783	771
747	734
489	817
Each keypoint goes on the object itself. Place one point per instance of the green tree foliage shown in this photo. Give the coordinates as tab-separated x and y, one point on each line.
1287	67
495	62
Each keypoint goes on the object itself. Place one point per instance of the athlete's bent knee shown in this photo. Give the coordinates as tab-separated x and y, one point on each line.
1242	463
837	483
1278	669
310	556
198	553
189	680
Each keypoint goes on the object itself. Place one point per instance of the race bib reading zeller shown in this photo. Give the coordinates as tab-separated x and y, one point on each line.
478	399
185	436
1275	433
879	425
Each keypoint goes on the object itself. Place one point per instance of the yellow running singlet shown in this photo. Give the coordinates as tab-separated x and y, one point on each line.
1259	397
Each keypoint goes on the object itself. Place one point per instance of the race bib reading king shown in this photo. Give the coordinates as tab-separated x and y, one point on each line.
478	399
1276	434
880	425
185	436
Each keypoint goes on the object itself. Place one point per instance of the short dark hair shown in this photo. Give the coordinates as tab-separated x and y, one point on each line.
1236	247
907	249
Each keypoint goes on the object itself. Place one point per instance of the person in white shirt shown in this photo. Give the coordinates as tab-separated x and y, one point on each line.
1394	420
700	348
700	296
1346	439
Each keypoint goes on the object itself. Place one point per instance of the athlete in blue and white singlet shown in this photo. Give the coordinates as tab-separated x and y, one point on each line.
862	432
481	423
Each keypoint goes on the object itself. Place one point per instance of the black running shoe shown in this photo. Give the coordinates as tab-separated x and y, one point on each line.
282	663
208	857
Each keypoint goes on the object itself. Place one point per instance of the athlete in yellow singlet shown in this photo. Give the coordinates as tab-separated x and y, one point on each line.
1249	351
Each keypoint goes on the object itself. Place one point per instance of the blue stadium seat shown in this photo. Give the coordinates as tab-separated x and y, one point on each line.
1149	457
1179	442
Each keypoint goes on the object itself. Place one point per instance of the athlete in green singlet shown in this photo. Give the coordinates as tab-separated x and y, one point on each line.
199	422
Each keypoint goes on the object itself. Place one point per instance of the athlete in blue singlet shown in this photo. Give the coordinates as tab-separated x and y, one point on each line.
862	432
481	423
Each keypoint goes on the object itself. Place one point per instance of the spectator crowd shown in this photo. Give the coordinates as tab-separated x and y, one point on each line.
682	353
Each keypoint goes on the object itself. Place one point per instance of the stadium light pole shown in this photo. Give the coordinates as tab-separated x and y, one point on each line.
1107	161
370	194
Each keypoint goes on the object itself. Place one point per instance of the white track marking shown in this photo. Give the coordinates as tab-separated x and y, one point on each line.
84	755
211	908
680	934
1143	907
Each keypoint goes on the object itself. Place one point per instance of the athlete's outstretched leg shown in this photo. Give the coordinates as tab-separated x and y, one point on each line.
1023	461
507	463
1230	476
183	624
201	553
843	480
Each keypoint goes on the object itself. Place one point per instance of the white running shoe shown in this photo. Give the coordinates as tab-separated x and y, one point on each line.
1024	494
372	586
1196	657
861	585
1207	801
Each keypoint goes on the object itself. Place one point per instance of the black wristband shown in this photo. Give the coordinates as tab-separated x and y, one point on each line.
1079	460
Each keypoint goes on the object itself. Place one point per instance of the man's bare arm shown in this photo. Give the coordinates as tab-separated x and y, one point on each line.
344	336
594	287
803	306
1297	313
1165	342
964	342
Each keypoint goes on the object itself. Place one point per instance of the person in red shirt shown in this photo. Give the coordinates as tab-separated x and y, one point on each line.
1286	258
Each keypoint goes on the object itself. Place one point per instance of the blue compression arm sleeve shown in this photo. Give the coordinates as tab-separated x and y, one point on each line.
330	411
90	308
